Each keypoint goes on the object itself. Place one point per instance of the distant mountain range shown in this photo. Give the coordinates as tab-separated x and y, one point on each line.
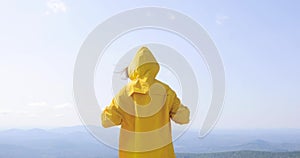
76	142
241	154
279	140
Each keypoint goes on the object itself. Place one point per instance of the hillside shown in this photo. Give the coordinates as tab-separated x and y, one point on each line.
76	142
242	154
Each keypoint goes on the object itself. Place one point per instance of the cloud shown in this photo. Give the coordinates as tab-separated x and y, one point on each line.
38	104
59	115
62	106
5	111
55	6
220	19
23	112
18	112
44	106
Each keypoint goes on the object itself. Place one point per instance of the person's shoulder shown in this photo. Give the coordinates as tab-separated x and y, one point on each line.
163	84
168	89
121	93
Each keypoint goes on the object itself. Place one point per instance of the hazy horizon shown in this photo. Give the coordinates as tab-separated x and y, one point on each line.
191	129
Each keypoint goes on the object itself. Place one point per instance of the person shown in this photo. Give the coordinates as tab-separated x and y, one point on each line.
144	108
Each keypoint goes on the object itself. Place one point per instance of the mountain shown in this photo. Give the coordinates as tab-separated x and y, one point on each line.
77	142
241	154
56	143
278	140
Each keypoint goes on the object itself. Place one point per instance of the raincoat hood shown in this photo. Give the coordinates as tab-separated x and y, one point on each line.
142	71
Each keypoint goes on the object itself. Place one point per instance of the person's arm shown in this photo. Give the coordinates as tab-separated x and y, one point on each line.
111	115
179	113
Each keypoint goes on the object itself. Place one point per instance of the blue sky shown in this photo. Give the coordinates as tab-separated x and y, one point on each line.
258	43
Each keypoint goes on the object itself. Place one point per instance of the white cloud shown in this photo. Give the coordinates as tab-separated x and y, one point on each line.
59	115
23	112
5	111
19	112
62	106
38	104
220	19
39	113
55	6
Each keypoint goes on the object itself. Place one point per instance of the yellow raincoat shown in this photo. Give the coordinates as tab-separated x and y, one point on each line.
144	108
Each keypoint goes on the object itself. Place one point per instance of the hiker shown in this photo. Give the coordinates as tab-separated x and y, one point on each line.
144	108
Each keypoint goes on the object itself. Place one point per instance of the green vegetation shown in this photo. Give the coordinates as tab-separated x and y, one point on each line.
242	154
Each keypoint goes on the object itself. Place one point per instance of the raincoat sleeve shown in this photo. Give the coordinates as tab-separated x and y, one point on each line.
179	113
111	115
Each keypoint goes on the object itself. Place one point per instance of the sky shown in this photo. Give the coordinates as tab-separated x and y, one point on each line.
257	41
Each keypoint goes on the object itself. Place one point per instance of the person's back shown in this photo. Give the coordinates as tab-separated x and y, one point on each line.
143	108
